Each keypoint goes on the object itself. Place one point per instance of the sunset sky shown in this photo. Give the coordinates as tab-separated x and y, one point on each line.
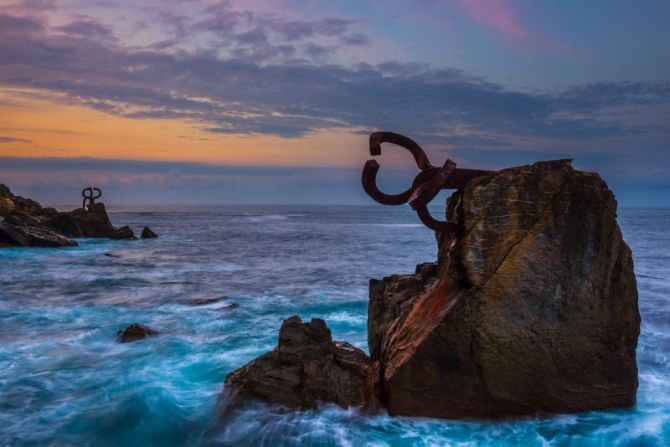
272	101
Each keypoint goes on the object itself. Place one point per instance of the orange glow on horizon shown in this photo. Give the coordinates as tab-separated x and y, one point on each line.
48	128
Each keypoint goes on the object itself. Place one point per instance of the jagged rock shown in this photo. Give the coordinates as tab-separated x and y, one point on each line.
135	332
26	223
80	222
305	369
533	308
32	236
147	233
123	233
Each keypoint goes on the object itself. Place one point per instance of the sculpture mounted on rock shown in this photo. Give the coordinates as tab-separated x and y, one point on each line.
531	309
425	186
90	194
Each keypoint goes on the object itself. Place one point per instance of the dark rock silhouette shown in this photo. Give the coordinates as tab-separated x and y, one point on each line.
532	310
147	233
12	235
307	368
204	301
123	233
134	332
91	222
24	222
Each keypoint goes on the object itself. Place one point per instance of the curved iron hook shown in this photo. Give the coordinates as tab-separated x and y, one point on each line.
420	157
371	167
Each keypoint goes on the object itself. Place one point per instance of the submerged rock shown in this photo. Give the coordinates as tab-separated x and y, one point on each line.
229	307
532	309
307	368
147	233
135	332
203	301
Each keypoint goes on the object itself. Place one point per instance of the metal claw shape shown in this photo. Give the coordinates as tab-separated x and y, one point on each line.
89	196
425	186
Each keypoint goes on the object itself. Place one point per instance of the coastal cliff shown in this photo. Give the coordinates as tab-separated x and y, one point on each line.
531	308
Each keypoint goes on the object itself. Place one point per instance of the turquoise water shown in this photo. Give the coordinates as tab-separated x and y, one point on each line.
65	381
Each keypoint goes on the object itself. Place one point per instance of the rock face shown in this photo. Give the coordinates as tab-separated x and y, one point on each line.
531	308
24	222
135	332
91	222
32	235
307	368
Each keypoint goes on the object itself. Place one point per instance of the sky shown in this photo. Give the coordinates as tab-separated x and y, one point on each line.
199	101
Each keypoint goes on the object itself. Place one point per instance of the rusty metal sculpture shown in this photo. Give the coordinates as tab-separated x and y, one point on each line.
425	186
89	196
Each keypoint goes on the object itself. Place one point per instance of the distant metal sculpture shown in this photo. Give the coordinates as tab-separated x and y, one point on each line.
425	186
88	194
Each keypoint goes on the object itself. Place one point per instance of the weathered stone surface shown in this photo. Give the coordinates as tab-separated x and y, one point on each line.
147	233
305	369
80	222
533	309
134	332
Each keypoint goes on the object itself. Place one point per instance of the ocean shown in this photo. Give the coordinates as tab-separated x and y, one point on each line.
64	380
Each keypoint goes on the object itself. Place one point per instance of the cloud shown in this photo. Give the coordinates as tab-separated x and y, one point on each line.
14	140
495	14
501	17
87	27
244	94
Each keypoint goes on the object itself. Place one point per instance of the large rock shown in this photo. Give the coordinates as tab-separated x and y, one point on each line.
24	222
532	309
305	369
80	222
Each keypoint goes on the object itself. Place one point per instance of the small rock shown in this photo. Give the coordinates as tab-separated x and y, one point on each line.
148	234
203	301
123	233
135	332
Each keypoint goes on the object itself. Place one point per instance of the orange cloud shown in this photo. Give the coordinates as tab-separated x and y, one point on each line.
37	124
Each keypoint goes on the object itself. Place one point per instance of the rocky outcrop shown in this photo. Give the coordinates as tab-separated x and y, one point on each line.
134	332
24	222
32	235
531	309
148	234
90	222
123	233
307	368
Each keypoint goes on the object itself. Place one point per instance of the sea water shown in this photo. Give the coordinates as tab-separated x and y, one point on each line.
65	381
